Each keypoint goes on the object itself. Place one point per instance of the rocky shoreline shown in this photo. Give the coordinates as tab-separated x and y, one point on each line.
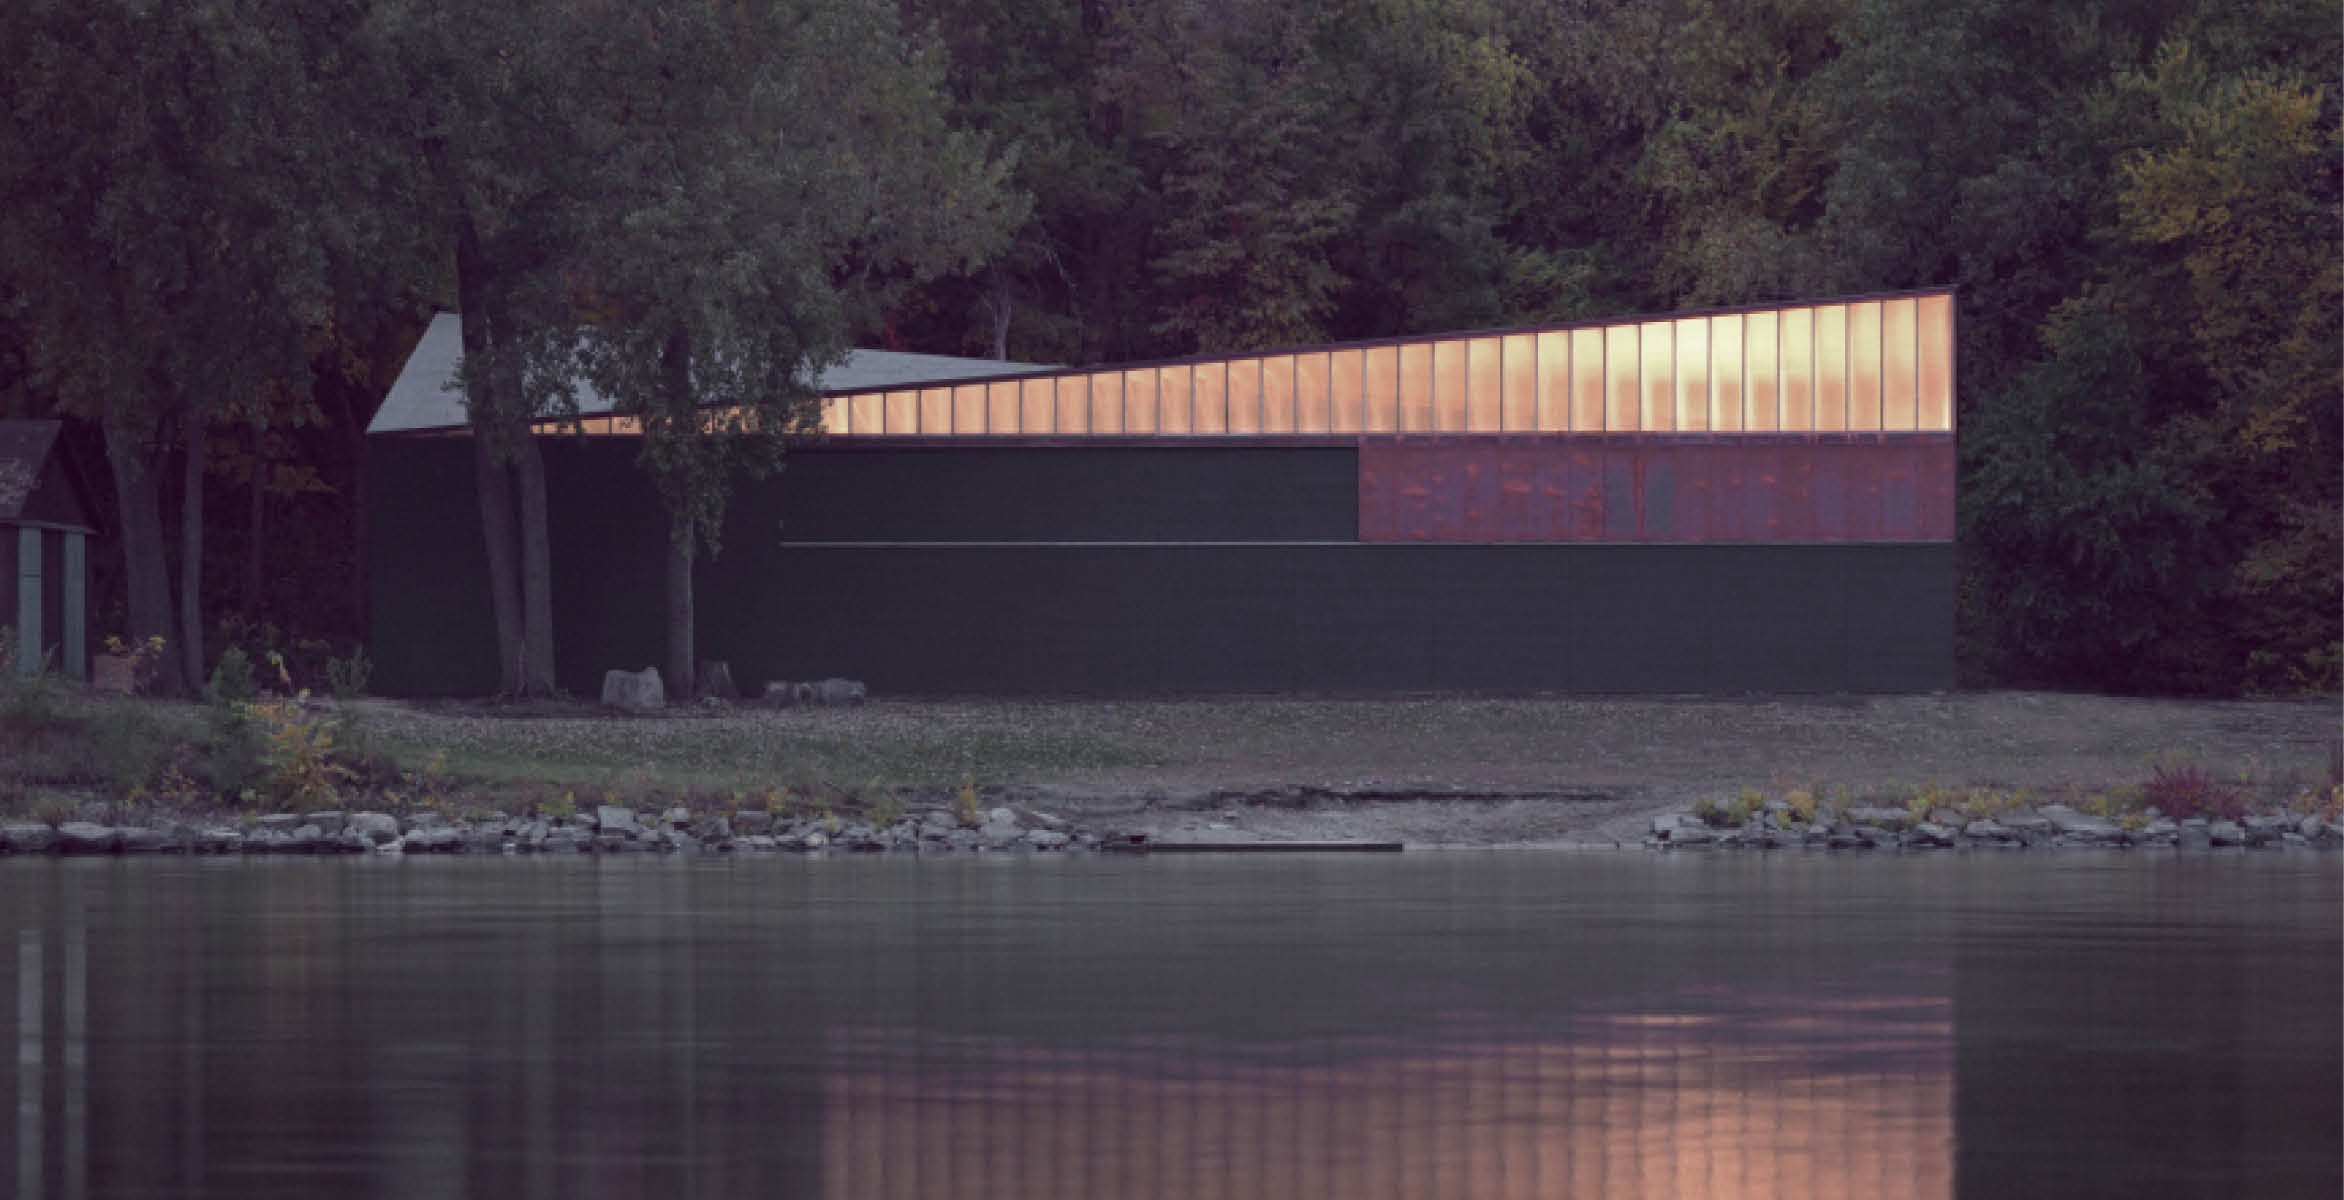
2053	825
1023	828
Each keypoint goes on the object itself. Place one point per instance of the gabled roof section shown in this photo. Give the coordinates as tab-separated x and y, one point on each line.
424	396
37	485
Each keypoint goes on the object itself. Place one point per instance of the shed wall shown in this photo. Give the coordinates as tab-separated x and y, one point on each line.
1123	569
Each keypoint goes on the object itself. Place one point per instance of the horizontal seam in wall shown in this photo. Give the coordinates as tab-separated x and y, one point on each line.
1273	544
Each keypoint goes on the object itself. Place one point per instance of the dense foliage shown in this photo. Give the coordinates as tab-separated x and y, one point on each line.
2139	201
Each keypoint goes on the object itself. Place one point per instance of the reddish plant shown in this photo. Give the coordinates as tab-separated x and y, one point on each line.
2185	791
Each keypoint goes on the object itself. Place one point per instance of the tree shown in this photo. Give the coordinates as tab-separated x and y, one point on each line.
737	232
167	174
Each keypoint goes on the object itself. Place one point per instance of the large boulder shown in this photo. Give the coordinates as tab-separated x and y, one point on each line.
27	838
84	837
634	691
375	828
783	694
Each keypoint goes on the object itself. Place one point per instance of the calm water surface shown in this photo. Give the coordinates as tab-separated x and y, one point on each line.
1446	1025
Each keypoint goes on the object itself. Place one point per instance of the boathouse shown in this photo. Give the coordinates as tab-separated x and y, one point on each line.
1742	500
45	525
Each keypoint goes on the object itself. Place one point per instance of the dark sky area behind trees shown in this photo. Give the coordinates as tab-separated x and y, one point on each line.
222	223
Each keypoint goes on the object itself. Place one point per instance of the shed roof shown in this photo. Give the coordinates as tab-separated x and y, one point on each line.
425	397
38	486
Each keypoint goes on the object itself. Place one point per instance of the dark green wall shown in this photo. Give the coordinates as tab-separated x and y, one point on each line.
1302	608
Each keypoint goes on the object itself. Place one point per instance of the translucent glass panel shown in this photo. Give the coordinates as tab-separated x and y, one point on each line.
1107	402
1725	373
1899	331
1620	379
1245	396
1208	398
1659	386
1174	394
1692	336
1278	394
1831	368
1761	334
1936	362
1551	352
1382	386
1864	365
1484	391
1346	391
1587	380
1797	355
1310	393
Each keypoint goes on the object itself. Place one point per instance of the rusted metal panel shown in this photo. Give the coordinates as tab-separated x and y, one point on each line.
1789	488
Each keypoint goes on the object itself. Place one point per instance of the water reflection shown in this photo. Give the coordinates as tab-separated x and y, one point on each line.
1453	1026
1753	1103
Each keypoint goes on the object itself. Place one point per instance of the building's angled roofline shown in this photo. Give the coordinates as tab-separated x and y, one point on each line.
423	397
1445	335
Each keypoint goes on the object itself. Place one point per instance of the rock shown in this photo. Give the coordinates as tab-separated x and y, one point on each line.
840	691
757	842
2081	827
2159	830
815	840
937	818
2310	828
566	839
676	816
82	837
280	822
27	839
682	842
1692	833
612	819
998	835
375	828
634	691
1929	834
2026	823
2193	837
219	839
2226	833
1666	822
781	693
1985	830
753	822
715	829
1031	816
141	840
432	841
1885	818
1047	839
327	822
422	820
1000	816
309	839
1946	817
1881	839
483	839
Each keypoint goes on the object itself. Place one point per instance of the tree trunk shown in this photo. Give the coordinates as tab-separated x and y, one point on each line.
681	411
256	519
137	491
490	477
495	484
537	674
680	663
191	551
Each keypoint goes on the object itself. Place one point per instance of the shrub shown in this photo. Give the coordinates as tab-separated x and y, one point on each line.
347	676
298	749
27	701
965	806
2186	790
237	750
232	681
129	745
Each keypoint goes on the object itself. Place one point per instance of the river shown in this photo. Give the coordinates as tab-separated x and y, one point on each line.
1462	1024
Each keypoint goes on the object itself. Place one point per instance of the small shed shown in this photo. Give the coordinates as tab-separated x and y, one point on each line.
45	524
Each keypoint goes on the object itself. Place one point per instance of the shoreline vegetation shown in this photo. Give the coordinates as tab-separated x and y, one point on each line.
254	771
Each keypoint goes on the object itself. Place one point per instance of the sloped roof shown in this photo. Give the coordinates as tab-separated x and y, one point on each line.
424	398
37	488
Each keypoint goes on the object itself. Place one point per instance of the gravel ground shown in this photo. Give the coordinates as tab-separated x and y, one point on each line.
1429	772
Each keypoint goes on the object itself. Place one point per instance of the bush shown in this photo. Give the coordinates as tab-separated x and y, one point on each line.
130	746
31	701
238	750
348	676
232	681
2186	790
